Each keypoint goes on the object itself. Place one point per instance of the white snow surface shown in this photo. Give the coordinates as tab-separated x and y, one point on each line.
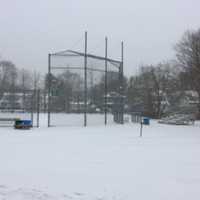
101	163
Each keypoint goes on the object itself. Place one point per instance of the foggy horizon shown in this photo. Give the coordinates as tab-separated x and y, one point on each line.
32	29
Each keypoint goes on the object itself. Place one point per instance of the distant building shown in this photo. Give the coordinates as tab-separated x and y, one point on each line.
190	98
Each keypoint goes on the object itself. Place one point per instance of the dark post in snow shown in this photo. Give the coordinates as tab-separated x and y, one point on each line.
141	127
106	81
49	87
85	82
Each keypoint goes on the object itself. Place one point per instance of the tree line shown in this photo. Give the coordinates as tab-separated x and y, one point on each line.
164	85
155	90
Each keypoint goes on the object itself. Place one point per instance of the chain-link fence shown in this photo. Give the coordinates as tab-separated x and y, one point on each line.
19	104
84	89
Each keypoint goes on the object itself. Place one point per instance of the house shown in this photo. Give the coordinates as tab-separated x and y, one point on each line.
190	98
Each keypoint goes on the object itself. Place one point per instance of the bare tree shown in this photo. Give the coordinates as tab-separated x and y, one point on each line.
25	79
8	75
153	88
188	56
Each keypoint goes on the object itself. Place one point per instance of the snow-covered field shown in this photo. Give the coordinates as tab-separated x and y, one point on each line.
62	119
59	119
100	163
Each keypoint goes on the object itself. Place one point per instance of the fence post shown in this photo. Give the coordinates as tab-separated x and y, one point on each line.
38	108
32	105
141	128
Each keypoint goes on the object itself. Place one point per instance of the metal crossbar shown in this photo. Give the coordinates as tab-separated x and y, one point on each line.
81	68
116	63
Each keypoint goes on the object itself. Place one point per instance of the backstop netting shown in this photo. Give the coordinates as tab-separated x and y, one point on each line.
17	104
83	90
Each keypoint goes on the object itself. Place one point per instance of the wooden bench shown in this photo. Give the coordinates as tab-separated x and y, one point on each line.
9	120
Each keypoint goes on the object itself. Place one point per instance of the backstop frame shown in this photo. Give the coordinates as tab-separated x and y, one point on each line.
119	64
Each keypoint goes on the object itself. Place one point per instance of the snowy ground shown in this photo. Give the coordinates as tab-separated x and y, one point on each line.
100	163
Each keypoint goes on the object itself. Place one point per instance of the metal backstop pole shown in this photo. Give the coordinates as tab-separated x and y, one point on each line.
106	80
49	88
85	82
122	82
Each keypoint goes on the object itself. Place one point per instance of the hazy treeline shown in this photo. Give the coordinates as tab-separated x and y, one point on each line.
164	85
16	79
155	90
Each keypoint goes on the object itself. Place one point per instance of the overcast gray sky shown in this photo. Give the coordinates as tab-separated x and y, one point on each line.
32	28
